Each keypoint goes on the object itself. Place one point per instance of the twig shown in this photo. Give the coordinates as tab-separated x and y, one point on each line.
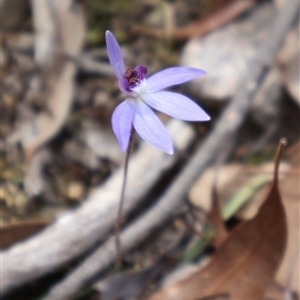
213	20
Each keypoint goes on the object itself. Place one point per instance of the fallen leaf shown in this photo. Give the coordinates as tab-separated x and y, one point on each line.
13	233
59	80
278	292
200	193
288	274
34	181
245	264
257	197
219	228
237	185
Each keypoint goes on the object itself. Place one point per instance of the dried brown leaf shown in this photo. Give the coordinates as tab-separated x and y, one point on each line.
13	233
220	230
245	264
60	81
277	292
289	272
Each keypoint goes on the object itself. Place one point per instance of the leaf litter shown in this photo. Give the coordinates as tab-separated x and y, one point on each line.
246	263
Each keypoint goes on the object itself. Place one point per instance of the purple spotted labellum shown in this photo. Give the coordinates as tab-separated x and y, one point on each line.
142	93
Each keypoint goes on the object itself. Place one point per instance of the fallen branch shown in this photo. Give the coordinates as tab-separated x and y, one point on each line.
78	230
225	132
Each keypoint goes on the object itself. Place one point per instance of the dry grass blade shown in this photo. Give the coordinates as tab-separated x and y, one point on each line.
245	264
220	230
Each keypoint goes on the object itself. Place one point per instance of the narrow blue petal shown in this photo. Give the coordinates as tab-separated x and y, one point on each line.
151	129
121	120
114	55
176	106
172	76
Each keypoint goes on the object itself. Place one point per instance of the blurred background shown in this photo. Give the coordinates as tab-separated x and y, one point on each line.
61	166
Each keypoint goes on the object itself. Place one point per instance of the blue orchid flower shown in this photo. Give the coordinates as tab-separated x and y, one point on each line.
142	93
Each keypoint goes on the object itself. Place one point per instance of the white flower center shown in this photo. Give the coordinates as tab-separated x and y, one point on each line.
140	89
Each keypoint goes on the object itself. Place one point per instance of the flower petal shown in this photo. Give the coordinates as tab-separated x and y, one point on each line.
151	129
122	118
176	106
172	76
114	55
